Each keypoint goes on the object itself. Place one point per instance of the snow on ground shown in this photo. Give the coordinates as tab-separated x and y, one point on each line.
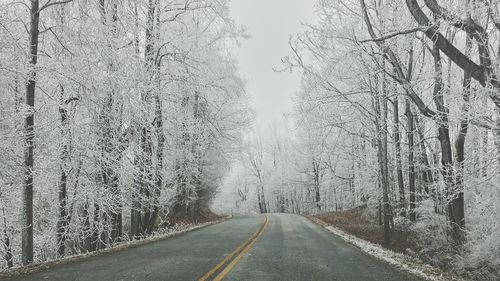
398	260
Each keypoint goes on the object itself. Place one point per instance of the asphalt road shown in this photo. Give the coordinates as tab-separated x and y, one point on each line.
281	247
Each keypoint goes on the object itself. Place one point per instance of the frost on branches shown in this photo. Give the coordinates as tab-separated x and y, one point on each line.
115	118
398	115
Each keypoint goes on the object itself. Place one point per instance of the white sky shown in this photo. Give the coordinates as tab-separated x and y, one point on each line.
269	23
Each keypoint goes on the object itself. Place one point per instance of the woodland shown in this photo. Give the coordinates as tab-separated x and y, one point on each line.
116	119
120	117
397	118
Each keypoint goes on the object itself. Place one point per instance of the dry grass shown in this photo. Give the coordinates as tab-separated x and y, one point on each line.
357	223
361	226
202	217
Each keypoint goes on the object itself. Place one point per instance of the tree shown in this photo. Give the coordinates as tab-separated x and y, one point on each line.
411	162
399	165
111	77
255	156
27	241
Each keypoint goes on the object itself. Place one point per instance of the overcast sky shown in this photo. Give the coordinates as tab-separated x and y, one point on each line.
269	23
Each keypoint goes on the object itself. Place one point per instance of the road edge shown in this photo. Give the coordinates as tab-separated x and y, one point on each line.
25	270
401	261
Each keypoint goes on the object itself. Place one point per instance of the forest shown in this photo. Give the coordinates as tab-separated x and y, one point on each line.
397	116
119	118
116	117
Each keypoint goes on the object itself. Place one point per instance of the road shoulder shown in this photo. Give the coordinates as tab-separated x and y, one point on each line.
24	270
403	262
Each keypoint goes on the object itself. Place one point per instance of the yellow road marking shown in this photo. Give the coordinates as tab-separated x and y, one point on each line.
238	257
233	253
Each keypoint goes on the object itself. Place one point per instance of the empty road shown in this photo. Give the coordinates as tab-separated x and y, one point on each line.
273	247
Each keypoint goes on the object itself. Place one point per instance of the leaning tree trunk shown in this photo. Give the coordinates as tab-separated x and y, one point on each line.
455	202
483	73
27	194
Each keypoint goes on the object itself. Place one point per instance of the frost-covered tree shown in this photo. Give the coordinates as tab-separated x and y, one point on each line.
136	104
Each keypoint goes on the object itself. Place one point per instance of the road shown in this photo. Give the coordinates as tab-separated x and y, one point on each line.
272	247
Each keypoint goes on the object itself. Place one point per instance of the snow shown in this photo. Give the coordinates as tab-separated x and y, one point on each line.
403	262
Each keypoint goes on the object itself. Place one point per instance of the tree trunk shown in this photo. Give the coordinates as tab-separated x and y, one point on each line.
411	162
399	165
263	200
160	138
96	242
141	211
135	212
27	194
455	205
62	222
6	242
427	176
385	166
458	198
86	245
317	195
110	135
380	104
143	186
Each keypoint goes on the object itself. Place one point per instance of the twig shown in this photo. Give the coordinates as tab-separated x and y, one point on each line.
391	35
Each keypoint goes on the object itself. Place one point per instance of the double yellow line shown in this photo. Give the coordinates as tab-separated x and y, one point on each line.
218	272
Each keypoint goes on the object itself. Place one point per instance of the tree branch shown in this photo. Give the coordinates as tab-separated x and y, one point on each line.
50	3
391	35
446	46
402	79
